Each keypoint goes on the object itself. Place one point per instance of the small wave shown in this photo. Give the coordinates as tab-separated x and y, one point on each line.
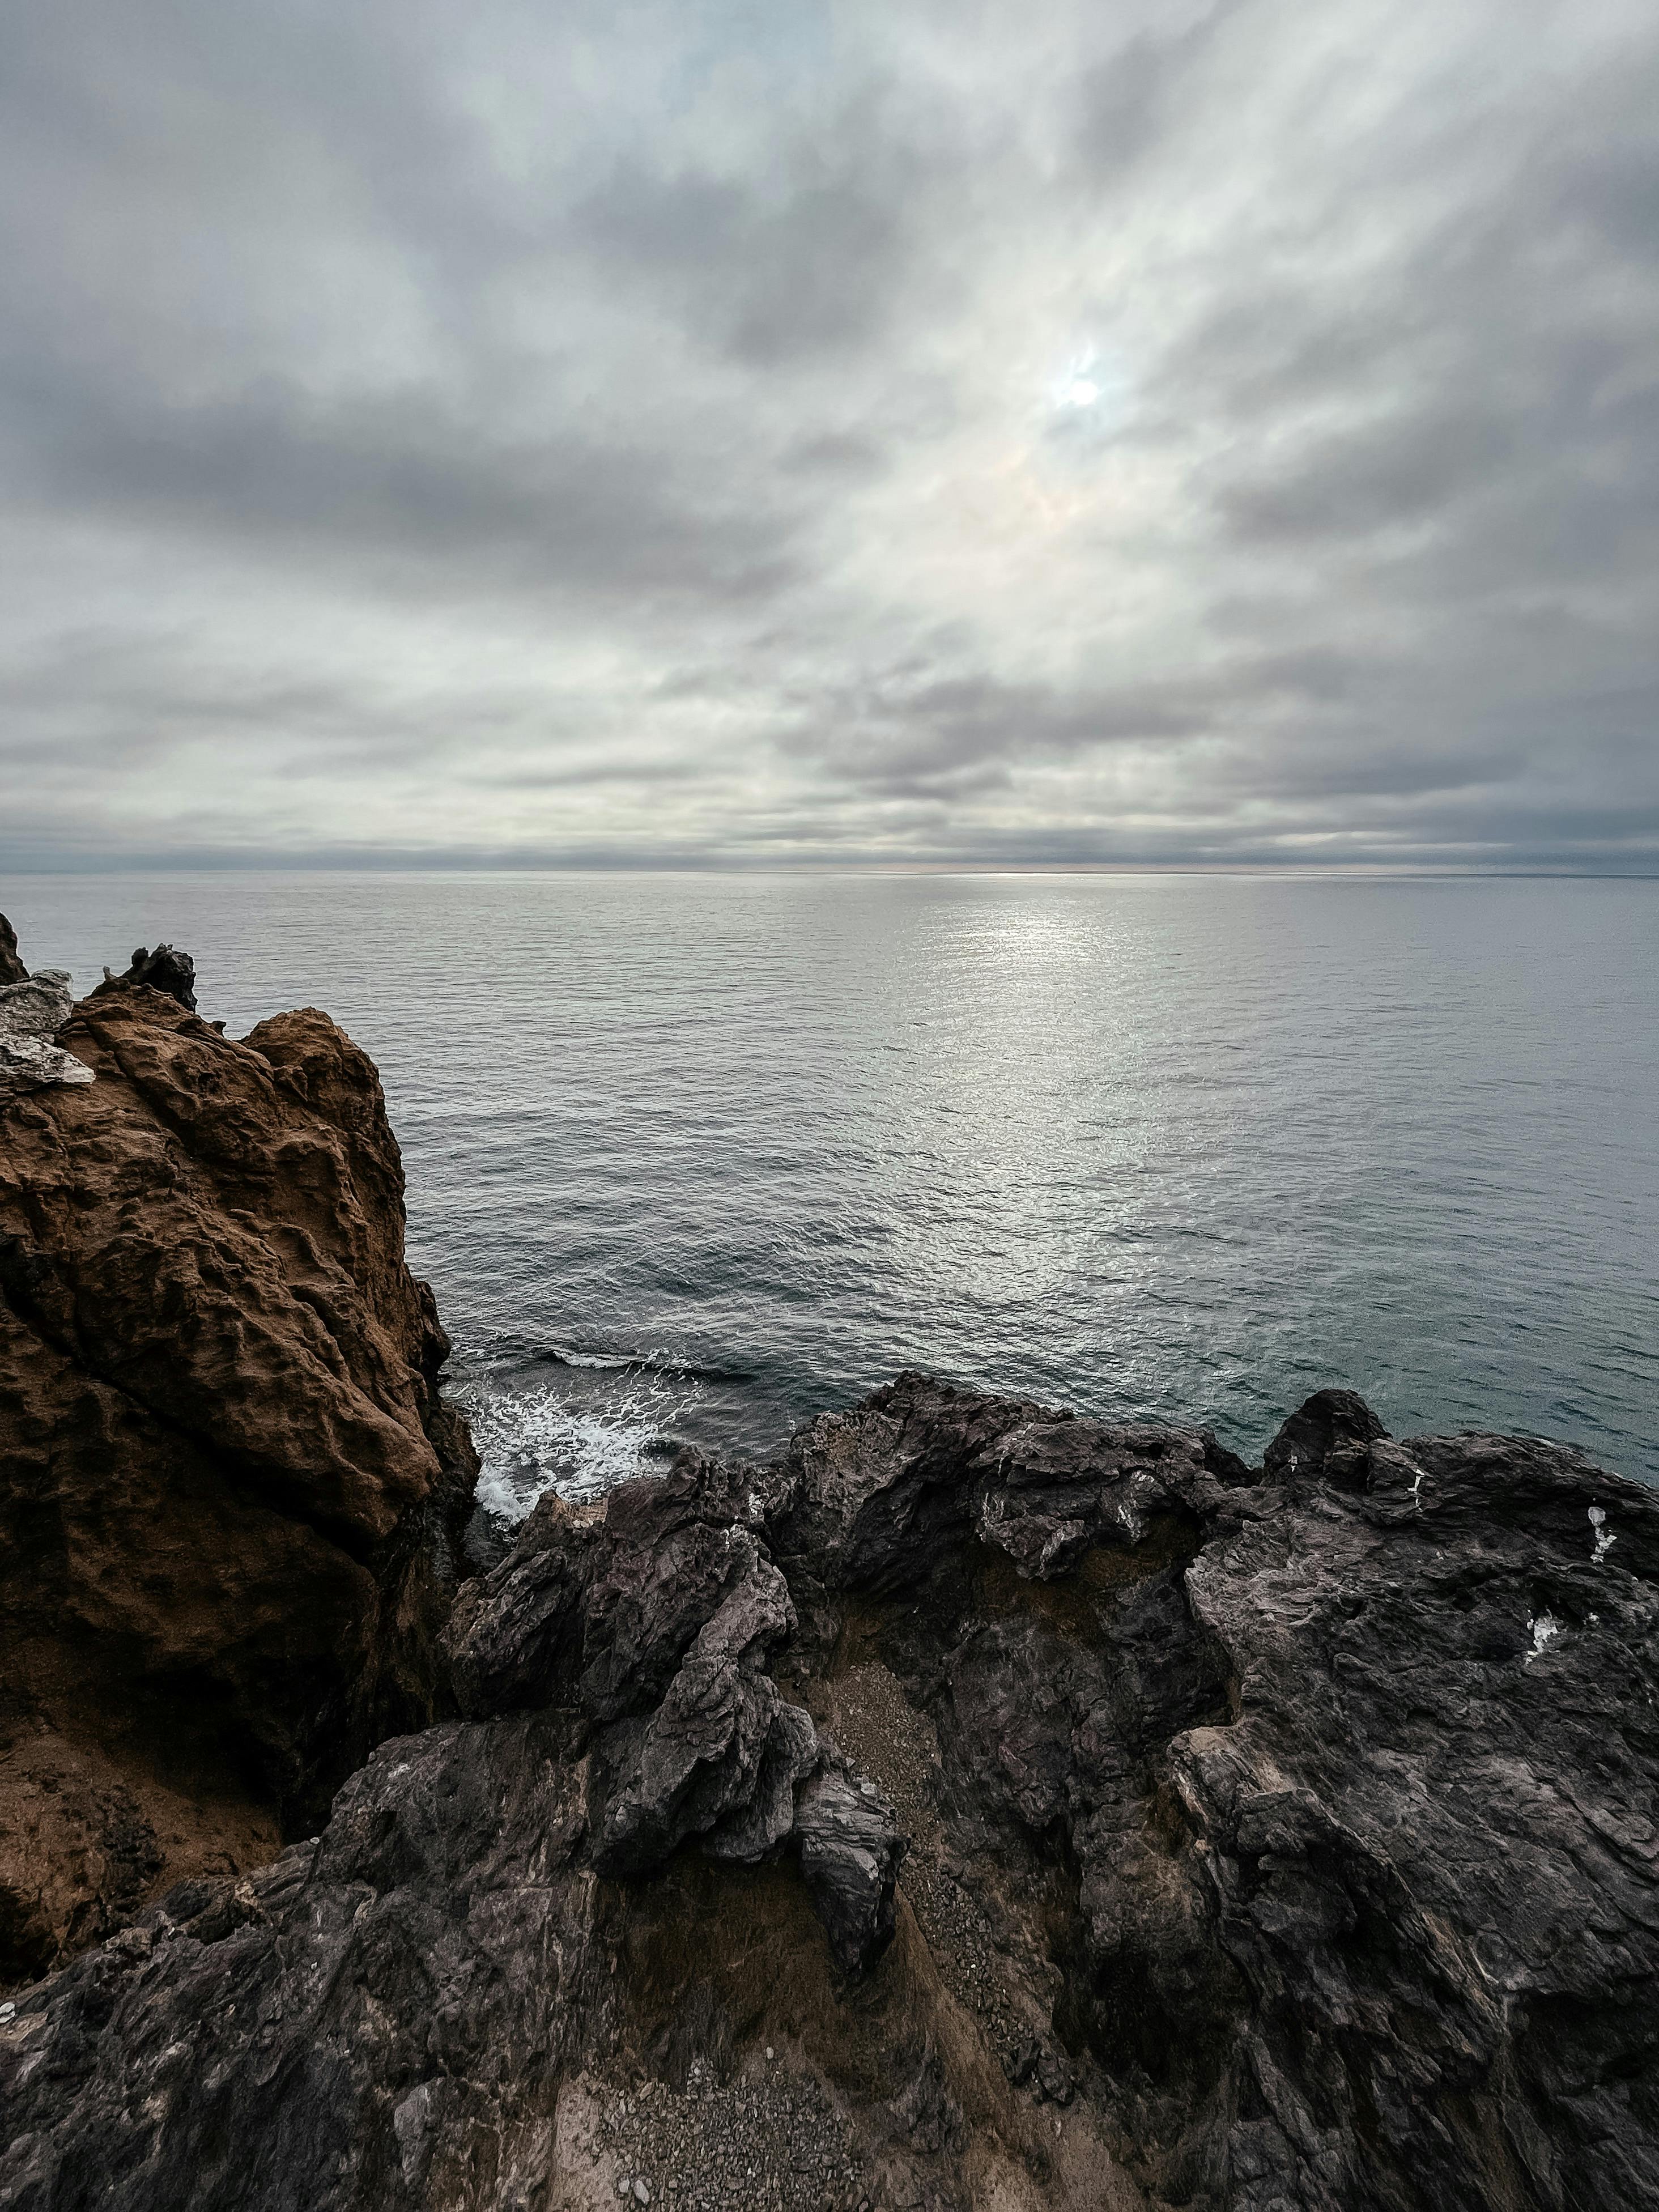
640	1363
534	1440
504	1349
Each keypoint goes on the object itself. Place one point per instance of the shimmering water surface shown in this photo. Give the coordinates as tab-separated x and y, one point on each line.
700	1155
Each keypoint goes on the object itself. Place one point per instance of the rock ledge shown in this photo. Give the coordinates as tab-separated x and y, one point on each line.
981	1805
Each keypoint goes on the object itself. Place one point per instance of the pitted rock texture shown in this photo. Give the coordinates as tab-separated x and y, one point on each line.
228	1483
1283	1842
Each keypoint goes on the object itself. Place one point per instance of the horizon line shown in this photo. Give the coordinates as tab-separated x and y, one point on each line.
383	863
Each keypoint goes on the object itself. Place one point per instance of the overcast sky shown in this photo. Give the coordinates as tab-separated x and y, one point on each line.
907	433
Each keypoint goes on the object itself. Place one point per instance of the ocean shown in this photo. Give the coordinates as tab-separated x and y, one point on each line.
698	1155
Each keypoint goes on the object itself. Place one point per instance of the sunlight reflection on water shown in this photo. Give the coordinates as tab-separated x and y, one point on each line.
1183	1146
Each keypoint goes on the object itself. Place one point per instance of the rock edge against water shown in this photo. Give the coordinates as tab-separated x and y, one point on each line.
33	1009
1267	1839
229	1488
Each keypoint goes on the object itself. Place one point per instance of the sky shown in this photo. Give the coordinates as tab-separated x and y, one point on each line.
901	435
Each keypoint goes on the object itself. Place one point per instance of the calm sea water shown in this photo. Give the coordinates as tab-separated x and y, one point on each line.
700	1155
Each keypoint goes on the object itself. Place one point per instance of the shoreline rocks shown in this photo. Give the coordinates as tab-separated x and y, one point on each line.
230	1491
32	1010
166	969
981	1805
1256	1840
12	970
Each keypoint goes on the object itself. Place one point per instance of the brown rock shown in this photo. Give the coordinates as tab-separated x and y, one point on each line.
229	1491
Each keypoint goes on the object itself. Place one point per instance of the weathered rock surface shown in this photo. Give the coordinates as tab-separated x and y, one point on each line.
1277	1841
228	1484
649	1634
12	970
33	1009
166	969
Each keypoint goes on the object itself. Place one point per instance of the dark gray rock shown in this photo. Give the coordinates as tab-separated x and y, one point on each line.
1429	1836
697	1761
12	970
1330	1436
381	2018
877	1493
650	1634
675	1549
850	1849
1359	1777
165	969
1294	1840
764	1818
513	1638
1053	1488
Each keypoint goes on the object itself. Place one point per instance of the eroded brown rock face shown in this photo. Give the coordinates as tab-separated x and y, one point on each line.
229	1490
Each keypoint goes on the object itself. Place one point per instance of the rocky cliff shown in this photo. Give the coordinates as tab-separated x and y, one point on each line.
228	1487
979	1807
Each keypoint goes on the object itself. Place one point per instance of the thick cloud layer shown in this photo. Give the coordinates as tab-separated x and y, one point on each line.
756	433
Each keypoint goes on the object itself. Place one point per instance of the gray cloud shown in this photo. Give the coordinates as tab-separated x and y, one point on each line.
397	489
1217	435
913	730
774	268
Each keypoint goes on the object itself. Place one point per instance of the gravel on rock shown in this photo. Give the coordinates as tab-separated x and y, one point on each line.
770	2141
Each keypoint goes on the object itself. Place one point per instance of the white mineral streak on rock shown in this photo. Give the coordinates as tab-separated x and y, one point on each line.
1602	1538
1545	1626
31	1015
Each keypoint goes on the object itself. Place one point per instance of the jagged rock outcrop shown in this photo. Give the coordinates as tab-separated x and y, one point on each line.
650	1633
228	1483
166	969
12	970
32	1010
1279	1840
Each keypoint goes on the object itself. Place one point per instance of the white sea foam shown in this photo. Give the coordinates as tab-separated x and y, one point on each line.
532	1440
618	1183
1602	1538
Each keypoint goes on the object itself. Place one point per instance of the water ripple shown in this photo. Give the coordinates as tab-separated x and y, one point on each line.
700	1155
